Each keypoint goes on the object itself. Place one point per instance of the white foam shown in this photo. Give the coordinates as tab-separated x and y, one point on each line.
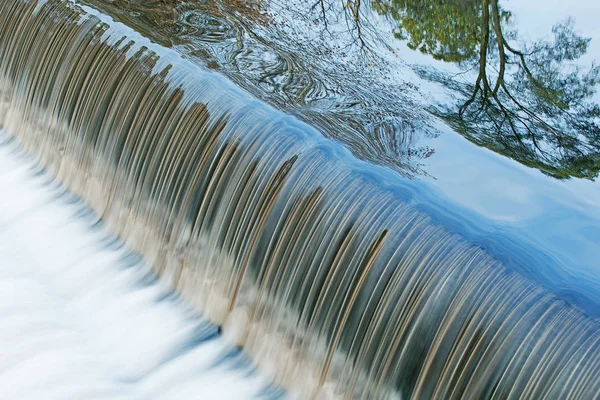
81	317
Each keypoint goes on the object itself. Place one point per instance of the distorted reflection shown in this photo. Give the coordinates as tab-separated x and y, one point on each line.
307	64
330	63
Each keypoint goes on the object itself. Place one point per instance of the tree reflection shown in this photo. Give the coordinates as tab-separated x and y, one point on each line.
322	60
530	101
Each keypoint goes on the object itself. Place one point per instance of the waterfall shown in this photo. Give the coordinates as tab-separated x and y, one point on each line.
333	281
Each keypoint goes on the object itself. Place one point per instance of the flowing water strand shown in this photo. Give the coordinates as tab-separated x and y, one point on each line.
333	282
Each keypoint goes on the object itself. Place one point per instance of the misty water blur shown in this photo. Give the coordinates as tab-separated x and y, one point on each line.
83	317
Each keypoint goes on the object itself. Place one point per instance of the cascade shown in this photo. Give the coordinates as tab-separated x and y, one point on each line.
333	281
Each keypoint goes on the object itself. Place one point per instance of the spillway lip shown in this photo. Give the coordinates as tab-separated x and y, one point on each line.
509	246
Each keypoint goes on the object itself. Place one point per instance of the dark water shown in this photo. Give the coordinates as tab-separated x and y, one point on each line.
318	256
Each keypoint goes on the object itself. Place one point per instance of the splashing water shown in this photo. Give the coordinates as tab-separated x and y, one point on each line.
83	318
332	280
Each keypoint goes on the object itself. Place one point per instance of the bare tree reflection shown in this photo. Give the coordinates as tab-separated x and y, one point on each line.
530	102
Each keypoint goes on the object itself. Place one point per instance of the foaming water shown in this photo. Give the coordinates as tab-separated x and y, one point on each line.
82	317
335	284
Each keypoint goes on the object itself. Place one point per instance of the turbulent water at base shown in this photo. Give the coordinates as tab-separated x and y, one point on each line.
82	316
333	282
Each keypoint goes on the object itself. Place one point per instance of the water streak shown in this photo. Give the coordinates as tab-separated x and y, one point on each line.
332	281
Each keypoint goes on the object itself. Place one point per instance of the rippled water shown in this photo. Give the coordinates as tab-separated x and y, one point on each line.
355	70
283	53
